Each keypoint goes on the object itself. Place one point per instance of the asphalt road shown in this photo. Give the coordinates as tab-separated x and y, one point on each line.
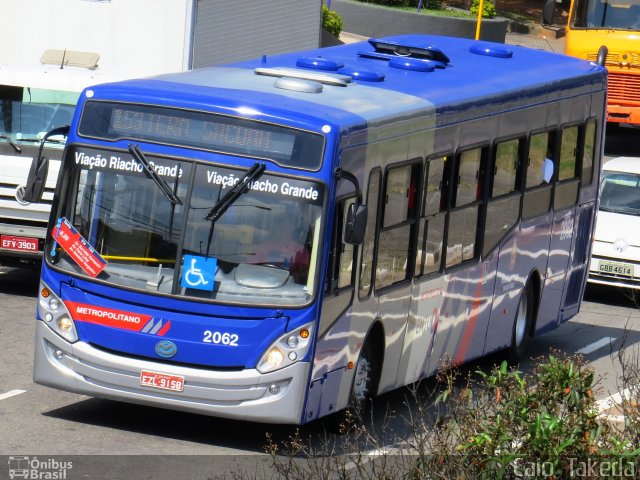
42	422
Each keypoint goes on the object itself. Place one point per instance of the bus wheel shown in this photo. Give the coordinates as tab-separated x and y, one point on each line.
362	380
365	380
521	326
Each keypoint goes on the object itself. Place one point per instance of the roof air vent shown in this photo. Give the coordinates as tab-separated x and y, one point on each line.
319	63
362	75
298	85
491	50
412	64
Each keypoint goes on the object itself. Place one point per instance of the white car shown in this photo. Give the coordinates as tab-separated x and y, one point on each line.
615	257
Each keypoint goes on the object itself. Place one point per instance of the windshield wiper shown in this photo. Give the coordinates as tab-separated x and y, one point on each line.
11	142
159	181
238	189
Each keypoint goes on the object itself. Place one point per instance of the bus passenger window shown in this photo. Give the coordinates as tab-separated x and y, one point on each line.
368	246
431	235
539	150
538	194
469	188
392	263
400	196
588	152
463	219
568	153
566	190
505	168
503	208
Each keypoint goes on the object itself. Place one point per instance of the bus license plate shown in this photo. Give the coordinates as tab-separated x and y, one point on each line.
616	268
162	381
23	244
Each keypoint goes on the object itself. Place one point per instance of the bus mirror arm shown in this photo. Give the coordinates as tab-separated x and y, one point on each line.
350	177
356	221
39	168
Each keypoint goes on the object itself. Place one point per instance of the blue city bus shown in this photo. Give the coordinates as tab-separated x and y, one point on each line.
273	240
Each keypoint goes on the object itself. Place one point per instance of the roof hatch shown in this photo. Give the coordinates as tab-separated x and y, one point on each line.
388	49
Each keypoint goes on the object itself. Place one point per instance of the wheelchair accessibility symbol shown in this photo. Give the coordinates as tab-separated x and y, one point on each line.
198	272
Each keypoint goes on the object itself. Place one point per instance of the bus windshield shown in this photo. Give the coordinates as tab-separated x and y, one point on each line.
28	113
611	14
620	193
119	226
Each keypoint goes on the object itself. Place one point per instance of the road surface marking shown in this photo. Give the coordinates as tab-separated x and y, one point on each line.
603	342
11	393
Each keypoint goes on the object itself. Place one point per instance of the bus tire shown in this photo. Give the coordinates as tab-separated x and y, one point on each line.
365	378
520	334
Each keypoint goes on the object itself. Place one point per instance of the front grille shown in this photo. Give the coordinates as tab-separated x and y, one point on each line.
8	192
624	88
24	223
164	360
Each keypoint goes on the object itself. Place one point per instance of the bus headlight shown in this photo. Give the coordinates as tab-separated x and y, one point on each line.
55	314
286	350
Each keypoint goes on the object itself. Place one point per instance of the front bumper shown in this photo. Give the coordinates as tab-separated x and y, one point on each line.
601	278
242	394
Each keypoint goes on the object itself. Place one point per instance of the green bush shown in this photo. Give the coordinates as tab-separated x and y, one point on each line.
331	21
432	4
501	424
488	8
532	426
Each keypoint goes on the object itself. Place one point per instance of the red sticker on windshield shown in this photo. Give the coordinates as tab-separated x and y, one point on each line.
78	248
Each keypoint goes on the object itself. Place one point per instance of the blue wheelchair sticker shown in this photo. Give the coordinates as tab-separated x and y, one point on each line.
198	272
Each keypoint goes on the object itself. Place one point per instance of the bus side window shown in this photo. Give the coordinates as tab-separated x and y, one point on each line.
368	246
462	229
588	152
398	222
537	196
434	208
566	190
341	266
503	208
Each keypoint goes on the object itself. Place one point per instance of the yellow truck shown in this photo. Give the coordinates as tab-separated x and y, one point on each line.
616	25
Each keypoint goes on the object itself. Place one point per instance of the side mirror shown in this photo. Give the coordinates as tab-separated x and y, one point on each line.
355	224
36	179
39	168
548	11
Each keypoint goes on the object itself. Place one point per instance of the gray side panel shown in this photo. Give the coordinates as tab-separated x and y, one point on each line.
227	31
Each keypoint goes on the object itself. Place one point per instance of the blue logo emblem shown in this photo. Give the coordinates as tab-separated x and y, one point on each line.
166	349
198	272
